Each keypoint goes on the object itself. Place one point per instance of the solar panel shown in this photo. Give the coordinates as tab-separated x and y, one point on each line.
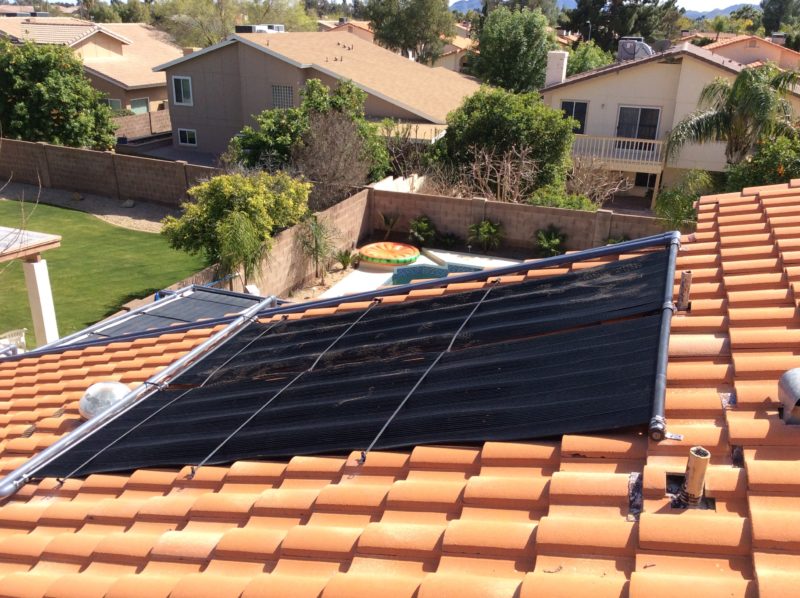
566	354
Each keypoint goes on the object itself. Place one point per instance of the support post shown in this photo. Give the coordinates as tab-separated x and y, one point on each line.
655	189
40	298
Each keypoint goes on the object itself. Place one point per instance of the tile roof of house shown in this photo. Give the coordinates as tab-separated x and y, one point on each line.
427	92
675	52
14	8
744	38
51	30
148	48
332	25
549	518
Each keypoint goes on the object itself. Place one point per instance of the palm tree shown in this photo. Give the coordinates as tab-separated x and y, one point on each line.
741	113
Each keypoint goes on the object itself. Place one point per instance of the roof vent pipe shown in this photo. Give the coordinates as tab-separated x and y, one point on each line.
683	293
789	396
695	480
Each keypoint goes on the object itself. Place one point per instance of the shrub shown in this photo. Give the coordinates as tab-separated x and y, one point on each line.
487	234
550	241
554	197
421	231
344	257
675	206
776	161
316	240
232	217
615	240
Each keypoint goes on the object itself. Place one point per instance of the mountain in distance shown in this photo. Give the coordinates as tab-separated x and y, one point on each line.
467	5
724	12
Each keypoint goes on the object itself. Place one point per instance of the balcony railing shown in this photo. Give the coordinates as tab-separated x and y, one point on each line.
621	152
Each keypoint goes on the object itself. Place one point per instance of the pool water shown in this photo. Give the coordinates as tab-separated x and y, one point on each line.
405	274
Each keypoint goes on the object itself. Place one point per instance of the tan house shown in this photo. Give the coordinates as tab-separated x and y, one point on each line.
627	109
359	28
118	57
216	91
751	49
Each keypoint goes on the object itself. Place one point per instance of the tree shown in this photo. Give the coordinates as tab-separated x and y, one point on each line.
45	96
777	12
513	48
499	121
280	131
741	113
232	218
775	161
619	18
316	239
332	155
749	16
586	57
132	11
196	22
418	29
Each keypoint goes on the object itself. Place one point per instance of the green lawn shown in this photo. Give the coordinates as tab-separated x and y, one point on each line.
98	268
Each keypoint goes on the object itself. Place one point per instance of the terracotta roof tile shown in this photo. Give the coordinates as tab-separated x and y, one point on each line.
555	518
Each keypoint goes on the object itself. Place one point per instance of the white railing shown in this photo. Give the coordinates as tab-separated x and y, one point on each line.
619	151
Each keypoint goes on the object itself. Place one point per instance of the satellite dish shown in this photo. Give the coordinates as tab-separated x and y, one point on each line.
662	45
100	396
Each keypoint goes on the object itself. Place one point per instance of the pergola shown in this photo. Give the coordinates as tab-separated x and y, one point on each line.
16	243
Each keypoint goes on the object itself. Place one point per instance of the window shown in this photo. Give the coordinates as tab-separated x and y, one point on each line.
140	105
112	103
576	110
638	123
182	90
187	137
282	96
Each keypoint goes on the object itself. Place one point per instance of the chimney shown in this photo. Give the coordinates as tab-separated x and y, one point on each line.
188	50
778	38
556	67
342	20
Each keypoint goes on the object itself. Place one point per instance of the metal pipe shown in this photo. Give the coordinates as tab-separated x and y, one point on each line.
658	424
694	481
291	307
684	291
111	321
20	476
669	238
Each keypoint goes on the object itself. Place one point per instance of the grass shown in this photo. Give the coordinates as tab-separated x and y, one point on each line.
97	269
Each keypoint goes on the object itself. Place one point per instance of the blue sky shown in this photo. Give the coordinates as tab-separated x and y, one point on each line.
705	5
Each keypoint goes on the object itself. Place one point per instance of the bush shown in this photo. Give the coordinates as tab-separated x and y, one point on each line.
232	217
675	205
550	241
487	234
344	257
496	120
775	161
421	231
554	197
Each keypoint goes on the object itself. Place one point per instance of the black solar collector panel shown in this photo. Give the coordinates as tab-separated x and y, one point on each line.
574	353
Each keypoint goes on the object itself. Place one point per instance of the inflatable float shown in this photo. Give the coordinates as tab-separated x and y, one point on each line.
388	253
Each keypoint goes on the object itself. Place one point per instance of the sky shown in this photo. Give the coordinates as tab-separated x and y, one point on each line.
706	5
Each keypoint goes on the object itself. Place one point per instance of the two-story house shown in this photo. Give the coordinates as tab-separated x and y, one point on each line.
118	58
626	110
216	91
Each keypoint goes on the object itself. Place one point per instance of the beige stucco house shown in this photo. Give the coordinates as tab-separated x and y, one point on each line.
751	49
217	90
118	58
627	109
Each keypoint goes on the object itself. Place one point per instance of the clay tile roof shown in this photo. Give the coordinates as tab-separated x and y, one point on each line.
580	515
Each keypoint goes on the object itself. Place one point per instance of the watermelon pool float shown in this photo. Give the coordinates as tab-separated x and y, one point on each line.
388	253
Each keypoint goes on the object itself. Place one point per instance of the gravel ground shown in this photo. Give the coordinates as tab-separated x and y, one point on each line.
141	216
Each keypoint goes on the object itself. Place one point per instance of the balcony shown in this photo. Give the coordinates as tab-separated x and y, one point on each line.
620	153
